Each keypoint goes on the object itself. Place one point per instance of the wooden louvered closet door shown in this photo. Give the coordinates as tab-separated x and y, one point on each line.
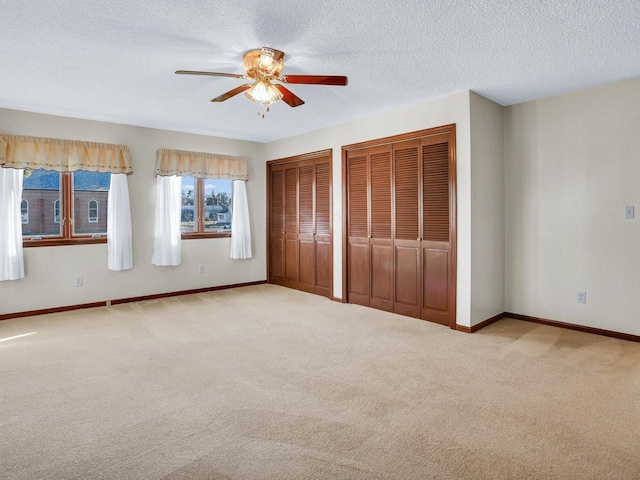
381	243
436	243
291	224
358	232
407	187
276	227
306	242
323	227
300	228
400	233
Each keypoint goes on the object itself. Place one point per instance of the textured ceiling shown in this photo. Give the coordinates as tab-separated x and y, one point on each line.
114	60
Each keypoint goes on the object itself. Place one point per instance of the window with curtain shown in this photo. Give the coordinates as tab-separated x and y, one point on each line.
205	207
73	193
195	199
73	177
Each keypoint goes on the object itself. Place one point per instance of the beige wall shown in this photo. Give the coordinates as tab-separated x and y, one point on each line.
51	271
572	164
487	204
423	115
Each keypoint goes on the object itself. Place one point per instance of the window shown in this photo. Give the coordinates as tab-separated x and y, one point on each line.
93	211
24	211
79	207
206	207
56	211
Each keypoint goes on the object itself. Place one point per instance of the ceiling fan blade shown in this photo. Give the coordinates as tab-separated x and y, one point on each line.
288	97
231	93
338	80
211	74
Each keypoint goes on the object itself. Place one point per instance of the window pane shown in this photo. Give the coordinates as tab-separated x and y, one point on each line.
189	205
90	192
56	211
217	205
40	190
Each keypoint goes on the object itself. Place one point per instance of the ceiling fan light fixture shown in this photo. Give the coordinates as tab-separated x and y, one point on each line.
263	62
264	92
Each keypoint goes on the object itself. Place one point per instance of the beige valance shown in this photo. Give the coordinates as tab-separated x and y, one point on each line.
63	155
201	165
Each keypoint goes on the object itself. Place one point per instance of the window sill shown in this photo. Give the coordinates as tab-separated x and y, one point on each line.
54	242
192	236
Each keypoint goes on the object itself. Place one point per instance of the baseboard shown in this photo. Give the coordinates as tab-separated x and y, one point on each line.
183	292
66	308
478	326
573	326
43	311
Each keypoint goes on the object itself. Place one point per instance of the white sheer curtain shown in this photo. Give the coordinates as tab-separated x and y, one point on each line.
240	229
166	245
119	235
11	258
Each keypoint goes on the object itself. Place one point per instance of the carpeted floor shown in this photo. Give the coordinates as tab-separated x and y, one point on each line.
265	382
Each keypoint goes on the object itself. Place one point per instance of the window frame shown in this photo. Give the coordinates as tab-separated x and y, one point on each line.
67	237
200	201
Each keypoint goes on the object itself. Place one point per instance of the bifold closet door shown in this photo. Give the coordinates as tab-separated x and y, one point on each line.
437	295
401	225
291	223
358	221
406	160
322	216
306	242
381	243
370	226
300	228
283	218
276	227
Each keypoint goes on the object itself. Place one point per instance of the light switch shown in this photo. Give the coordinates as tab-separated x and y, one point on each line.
629	211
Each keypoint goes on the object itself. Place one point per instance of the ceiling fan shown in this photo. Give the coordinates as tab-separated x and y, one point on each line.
263	66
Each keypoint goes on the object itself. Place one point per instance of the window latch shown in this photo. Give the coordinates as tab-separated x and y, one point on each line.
36	237
96	235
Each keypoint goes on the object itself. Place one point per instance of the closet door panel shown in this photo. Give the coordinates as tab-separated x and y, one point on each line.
381	227
359	265
276	228
435	159
407	228
291	223
407	279
323	259
306	243
436	284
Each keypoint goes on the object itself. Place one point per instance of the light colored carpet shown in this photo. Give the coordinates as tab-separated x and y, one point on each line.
265	382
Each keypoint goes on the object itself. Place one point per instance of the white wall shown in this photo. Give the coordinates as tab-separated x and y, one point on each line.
427	114
572	164
51	271
487	204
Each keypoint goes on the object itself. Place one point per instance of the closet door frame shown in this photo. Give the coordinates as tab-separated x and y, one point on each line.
449	130
294	160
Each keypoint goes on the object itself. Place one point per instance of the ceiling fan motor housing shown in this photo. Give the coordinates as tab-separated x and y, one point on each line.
265	62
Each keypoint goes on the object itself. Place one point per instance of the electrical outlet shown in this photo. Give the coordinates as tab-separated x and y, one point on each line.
78	281
201	268
582	297
629	211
